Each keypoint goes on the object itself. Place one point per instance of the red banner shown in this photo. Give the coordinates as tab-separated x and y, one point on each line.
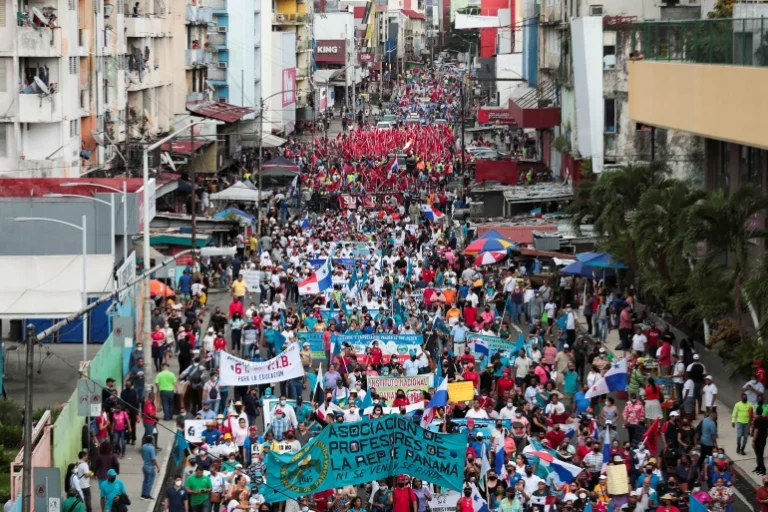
495	116
371	201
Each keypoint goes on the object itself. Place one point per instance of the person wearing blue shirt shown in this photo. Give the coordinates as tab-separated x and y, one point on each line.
206	413
150	466
110	489
648	474
580	401
708	437
211	434
459	336
570	380
185	286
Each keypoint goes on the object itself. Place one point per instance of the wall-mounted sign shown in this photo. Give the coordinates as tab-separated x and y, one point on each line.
331	50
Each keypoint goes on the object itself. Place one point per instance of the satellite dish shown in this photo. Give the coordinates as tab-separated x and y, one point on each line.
98	137
42	86
166	159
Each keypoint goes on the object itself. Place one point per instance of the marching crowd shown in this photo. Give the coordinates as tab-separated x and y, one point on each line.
540	437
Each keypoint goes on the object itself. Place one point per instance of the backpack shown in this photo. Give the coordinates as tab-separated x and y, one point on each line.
213	394
196	377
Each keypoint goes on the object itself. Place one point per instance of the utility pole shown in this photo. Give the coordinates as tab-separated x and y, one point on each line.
261	140
194	193
26	496
463	85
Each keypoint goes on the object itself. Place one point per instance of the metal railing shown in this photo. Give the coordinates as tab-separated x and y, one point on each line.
738	42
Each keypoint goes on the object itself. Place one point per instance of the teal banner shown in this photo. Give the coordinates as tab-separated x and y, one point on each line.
359	452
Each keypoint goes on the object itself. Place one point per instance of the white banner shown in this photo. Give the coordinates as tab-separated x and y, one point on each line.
193	430
444	502
468	21
251	278
234	371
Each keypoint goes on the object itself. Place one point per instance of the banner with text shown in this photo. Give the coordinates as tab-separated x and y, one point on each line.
387	387
370	201
444	502
239	372
401	345
507	348
354	453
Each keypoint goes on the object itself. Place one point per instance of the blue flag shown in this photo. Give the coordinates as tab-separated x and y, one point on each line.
180	446
367	402
400	315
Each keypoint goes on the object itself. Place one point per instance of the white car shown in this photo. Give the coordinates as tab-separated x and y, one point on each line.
383	125
486	154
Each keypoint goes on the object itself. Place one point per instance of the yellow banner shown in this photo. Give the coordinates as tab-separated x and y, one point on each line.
461	391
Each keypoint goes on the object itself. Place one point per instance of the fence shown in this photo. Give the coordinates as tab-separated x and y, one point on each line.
41	454
67	436
740	42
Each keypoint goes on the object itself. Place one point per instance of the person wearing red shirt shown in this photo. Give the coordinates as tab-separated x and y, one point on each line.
219	343
762	495
471	374
555	436
665	356
403	497
376	355
400	399
466	504
236	306
427	275
430	294
470	315
653	335
467	357
149	417
321	499
505	382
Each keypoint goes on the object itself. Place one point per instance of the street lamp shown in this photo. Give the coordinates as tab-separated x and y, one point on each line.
85	266
111	205
124	192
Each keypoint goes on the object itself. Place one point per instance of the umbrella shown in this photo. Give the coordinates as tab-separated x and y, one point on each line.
489	244
579	268
490	257
494	234
599	260
160	288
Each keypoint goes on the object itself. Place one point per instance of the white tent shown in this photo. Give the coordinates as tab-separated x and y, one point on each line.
51	286
241	192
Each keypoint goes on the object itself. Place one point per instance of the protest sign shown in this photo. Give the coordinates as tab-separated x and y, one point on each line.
354	453
315	340
347	262
401	345
507	348
444	502
193	430
460	391
239	372
252	279
396	410
387	387
268	406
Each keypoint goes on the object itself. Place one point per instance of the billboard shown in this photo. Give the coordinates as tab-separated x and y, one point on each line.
495	116
331	50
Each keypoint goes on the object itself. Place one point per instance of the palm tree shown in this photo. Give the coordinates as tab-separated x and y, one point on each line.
728	226
610	200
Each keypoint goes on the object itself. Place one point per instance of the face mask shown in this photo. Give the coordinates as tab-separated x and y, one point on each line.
467	493
582	496
510	405
282	402
304	509
720	456
383	487
518	414
649	471
607	404
177	483
401	484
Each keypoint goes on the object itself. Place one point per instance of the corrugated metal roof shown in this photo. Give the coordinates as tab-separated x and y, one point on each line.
39	187
183	147
221	111
522	235
412	14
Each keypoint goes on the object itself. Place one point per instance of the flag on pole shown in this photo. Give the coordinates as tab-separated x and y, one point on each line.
651	437
566	472
615	379
305	222
318	394
431	213
481	347
478	503
485	466
500	457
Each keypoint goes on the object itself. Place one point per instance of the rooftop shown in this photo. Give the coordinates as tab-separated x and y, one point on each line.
546	191
221	111
39	187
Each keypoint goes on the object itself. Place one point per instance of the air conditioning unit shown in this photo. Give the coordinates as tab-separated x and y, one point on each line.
221	65
221	29
595	10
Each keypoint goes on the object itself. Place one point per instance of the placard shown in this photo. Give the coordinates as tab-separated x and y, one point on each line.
461	391
252	279
234	371
193	430
444	502
618	483
387	387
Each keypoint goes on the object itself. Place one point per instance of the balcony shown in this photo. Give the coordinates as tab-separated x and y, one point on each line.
195	57
145	26
217	5
32	168
37	108
217	74
38	42
198	15
672	81
147	79
279	18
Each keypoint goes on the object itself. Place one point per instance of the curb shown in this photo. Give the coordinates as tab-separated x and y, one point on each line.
160	477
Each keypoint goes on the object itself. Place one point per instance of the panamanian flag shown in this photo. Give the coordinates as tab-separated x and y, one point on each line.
318	282
431	213
615	379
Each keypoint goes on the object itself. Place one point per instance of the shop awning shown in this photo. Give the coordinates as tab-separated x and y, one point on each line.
272	141
51	286
324	76
412	14
536	108
220	111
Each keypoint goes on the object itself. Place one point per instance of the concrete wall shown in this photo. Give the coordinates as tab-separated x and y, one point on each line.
679	96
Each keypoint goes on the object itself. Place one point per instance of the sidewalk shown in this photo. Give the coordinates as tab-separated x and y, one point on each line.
744	464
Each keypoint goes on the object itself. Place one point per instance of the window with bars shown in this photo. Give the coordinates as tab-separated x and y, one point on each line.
72	5
74	128
2	16
3	140
96	6
73	65
84	98
120	6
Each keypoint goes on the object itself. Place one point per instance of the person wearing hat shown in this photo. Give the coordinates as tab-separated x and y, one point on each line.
697	371
73	502
111	489
667	504
403	497
709	393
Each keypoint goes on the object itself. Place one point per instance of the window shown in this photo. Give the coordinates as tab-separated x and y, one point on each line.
723	167
750	166
84	98
74	128
609	50
610	115
3	75
595	10
2	24
3	140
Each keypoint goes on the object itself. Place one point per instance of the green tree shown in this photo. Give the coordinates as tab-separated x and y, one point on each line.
728	226
722	9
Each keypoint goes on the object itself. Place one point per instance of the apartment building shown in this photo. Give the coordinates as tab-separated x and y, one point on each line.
291	25
576	60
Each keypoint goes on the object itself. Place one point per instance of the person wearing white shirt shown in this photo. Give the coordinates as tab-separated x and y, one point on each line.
289	411
411	366
508	411
83	473
472	298
639	342
753	388
709	392
351	414
208	340
476	412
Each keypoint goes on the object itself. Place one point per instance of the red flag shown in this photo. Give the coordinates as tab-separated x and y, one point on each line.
651	437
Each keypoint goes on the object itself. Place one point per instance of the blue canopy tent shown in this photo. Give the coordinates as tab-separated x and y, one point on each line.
223	214
599	260
579	268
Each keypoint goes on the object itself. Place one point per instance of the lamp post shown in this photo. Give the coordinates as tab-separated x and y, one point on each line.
124	192
83	230
111	205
